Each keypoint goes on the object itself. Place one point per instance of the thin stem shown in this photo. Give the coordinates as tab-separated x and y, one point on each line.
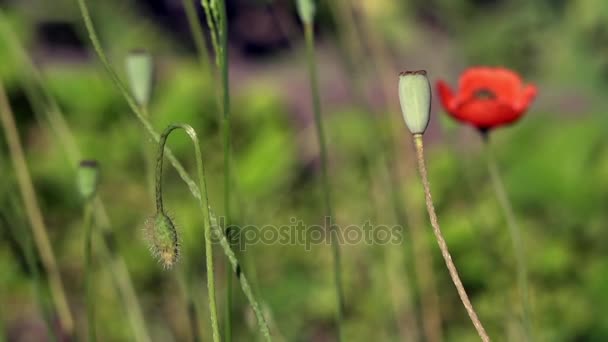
148	156
514	231
441	241
34	213
88	269
197	33
226	130
204	209
194	189
314	87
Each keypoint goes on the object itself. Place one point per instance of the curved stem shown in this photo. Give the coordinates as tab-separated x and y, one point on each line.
514	231
334	241
441	241
194	189
204	209
88	269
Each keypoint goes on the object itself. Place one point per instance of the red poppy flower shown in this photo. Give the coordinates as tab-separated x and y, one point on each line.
487	97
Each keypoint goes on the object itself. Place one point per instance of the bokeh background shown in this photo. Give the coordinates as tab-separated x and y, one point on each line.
554	163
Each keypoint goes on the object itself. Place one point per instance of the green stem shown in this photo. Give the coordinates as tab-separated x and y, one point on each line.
194	189
204	206
441	240
226	131
514	231
88	269
314	87
34	213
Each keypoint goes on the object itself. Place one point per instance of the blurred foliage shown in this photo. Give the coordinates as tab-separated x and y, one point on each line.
555	164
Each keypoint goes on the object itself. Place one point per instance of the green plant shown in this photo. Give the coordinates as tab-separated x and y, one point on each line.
49	112
415	99
161	231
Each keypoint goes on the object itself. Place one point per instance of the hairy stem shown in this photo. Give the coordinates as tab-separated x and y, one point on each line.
335	247
34	213
204	205
514	231
88	269
441	241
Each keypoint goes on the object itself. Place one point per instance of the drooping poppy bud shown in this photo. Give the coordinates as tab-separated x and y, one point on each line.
163	239
140	68
306	10
88	178
415	99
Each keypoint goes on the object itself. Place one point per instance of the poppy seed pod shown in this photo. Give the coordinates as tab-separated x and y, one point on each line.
415	99
306	10
140	67
88	178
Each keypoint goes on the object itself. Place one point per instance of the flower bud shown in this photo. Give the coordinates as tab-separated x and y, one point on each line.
306	10
88	178
415	99
163	239
140	68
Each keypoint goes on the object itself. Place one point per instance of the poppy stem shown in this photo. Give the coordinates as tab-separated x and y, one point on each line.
441	241
514	231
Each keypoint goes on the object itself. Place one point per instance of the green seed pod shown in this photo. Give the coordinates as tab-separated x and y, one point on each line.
163	239
306	10
88	178
140	69
415	99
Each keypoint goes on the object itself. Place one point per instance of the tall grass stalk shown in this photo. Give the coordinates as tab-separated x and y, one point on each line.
194	189
48	106
204	206
514	231
441	241
34	213
88	268
316	102
215	12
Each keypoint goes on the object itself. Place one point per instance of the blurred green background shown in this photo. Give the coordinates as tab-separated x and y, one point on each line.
554	162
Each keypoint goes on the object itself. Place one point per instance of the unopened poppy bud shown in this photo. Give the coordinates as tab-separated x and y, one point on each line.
163	239
88	178
415	99
306	10
140	68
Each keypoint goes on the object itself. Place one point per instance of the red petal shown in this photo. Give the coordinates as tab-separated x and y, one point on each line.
446	95
486	113
526	97
504	83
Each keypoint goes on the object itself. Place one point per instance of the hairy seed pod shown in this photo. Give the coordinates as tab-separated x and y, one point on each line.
163	239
